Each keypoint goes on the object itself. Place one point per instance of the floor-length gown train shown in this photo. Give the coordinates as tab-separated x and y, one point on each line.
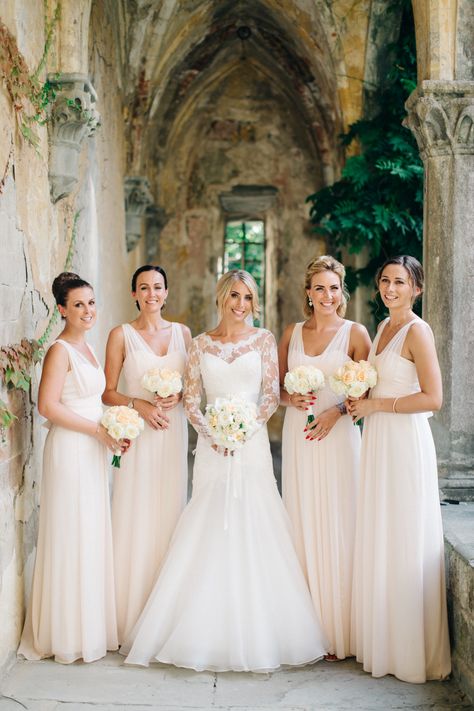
231	594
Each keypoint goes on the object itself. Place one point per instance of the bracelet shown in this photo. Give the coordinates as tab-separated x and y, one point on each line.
341	406
97	429
394	403
131	403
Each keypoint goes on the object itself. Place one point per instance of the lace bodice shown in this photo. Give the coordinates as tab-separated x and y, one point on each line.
248	368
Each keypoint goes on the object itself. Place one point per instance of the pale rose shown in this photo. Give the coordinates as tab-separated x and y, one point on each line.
337	386
131	432
348	377
353	379
357	389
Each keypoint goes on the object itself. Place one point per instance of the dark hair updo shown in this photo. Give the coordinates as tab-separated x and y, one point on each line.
64	283
147	268
413	267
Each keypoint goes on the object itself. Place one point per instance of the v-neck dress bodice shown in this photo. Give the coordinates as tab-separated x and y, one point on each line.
319	482
150	488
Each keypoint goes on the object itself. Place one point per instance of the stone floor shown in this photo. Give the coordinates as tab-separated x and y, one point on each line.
109	686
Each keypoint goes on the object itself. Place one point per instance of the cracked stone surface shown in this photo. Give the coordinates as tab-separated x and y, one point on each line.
108	685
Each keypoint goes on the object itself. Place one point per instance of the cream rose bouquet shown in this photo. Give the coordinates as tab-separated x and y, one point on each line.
122	422
353	379
162	381
231	421
303	380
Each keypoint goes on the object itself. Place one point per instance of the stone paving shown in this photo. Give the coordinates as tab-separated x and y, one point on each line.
109	686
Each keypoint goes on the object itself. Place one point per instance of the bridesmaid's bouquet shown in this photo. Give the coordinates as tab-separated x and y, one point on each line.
162	381
353	379
122	422
231	421
303	380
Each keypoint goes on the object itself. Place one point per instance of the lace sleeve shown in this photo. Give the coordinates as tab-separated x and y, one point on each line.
270	398
192	391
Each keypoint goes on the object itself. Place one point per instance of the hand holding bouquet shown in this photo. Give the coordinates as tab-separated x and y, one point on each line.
303	380
122	422
231	421
353	379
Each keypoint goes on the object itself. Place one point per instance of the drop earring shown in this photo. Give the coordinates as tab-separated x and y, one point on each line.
310	302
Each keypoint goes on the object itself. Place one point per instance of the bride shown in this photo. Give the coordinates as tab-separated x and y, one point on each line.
230	594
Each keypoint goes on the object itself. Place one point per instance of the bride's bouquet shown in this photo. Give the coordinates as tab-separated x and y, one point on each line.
303	380
231	421
122	422
353	379
162	381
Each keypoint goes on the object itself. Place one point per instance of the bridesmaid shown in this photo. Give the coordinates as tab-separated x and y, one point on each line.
150	488
399	623
71	614
320	463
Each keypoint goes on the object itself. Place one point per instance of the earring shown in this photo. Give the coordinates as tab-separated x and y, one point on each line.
310	302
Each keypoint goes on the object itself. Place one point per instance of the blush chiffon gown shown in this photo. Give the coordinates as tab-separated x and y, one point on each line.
150	488
399	620
71	611
319	491
231	594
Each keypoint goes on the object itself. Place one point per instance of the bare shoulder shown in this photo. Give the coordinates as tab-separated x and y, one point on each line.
187	336
116	335
420	333
56	357
358	330
186	331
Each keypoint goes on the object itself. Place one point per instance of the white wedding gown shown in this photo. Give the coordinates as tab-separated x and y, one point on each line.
231	594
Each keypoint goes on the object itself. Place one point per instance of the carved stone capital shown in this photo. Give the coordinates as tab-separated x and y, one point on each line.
73	118
137	199
441	116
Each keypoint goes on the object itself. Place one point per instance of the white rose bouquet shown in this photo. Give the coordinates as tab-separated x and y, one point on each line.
303	380
353	379
162	381
122	422
231	421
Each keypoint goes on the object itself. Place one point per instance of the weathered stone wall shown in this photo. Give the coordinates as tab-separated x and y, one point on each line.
459	550
245	135
34	240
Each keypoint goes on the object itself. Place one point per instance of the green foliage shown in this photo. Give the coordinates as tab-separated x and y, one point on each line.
30	97
17	360
378	202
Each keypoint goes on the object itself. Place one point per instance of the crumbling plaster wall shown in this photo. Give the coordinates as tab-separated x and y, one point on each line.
34	239
244	134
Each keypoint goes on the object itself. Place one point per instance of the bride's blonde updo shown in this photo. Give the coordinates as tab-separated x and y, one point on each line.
325	264
224	287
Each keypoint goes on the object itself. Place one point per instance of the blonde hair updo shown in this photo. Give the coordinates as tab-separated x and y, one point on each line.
224	287
325	264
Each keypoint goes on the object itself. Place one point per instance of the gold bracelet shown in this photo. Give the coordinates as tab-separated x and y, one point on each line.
394	403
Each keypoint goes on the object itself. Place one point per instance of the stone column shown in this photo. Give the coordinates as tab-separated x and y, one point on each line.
441	115
73	118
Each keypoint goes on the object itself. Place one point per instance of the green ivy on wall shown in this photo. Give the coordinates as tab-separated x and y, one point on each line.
377	205
30	97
